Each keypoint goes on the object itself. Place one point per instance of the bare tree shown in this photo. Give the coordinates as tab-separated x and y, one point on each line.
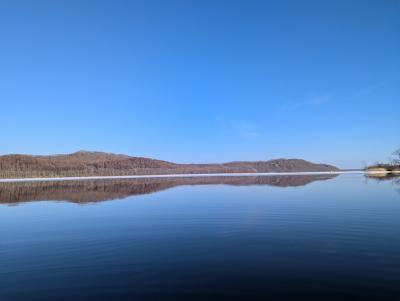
396	160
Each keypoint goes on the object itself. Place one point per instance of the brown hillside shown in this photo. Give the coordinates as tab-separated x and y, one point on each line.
85	163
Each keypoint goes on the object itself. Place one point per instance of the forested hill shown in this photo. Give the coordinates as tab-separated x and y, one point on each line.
84	163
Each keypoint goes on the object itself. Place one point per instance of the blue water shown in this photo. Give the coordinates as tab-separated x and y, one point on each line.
330	239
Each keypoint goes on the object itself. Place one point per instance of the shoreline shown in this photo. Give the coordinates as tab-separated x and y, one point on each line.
191	176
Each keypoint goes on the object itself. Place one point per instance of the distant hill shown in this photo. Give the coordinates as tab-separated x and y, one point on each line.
84	163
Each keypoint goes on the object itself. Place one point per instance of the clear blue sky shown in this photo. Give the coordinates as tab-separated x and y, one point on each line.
202	81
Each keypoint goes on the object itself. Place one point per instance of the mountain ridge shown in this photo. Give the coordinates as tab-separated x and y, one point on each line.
94	163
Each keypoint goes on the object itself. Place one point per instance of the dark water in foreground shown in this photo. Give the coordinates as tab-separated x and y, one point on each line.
253	238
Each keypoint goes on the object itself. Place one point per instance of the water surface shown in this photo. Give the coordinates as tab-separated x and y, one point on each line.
222	238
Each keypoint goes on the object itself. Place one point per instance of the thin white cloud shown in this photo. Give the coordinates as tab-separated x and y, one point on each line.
246	129
368	90
315	101
320	100
239	128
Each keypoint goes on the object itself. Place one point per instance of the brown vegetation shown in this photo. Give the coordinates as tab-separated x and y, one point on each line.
103	164
394	166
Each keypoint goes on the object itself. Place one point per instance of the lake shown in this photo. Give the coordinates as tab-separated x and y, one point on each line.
316	237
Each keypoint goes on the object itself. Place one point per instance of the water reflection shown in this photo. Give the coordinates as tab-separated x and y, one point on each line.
89	191
393	177
330	240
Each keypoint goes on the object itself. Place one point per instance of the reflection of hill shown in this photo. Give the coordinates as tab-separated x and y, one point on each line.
87	191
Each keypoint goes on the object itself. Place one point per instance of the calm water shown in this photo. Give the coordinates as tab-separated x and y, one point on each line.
247	238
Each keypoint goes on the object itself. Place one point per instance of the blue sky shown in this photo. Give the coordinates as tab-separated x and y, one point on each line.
202	81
